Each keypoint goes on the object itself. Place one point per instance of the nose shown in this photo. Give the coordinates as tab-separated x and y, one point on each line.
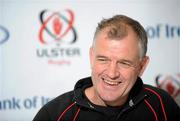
113	71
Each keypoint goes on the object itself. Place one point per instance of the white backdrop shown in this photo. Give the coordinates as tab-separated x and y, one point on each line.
33	72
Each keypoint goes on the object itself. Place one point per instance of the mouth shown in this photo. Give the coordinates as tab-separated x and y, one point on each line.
111	82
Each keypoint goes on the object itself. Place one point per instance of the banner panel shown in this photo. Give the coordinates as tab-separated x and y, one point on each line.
44	48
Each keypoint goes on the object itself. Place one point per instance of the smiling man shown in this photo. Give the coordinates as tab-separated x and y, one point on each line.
115	91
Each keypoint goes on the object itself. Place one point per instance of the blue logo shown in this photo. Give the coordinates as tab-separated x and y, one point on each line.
4	34
168	31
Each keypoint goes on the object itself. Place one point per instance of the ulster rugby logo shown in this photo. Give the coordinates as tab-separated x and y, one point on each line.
171	84
57	37
57	27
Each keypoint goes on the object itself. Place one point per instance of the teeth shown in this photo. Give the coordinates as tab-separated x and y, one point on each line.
111	82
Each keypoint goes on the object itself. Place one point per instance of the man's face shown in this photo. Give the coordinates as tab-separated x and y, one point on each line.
115	66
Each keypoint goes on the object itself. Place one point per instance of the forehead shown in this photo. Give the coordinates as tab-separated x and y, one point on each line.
128	37
124	47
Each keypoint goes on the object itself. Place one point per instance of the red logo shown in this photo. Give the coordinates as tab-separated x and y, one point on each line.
57	27
171	84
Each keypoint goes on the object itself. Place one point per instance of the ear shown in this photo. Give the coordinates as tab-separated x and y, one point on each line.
144	64
91	56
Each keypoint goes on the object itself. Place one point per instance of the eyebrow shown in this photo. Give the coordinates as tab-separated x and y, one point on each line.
121	60
101	56
125	60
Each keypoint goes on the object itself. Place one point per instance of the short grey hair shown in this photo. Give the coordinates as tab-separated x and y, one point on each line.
117	28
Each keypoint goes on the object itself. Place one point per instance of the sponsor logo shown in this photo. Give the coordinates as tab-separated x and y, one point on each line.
58	37
171	84
4	34
57	26
16	103
163	30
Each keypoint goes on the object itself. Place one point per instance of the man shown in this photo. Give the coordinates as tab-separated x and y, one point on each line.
115	90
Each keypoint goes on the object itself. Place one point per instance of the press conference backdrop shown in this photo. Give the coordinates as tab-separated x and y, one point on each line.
44	47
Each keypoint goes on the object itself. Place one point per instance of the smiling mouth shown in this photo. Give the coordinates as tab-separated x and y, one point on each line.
112	83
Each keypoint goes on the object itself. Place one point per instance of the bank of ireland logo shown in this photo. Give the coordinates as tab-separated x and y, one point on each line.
57	36
4	34
57	27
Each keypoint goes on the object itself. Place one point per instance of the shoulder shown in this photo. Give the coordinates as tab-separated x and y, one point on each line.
51	110
158	94
161	100
60	101
151	90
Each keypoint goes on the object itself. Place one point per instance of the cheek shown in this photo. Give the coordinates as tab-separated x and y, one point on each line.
129	76
97	72
98	68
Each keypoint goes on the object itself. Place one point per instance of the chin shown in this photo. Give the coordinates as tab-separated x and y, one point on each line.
109	98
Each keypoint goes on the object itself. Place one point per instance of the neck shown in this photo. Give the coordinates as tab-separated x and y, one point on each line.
92	95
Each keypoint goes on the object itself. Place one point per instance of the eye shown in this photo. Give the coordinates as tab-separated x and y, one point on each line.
125	64
102	60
